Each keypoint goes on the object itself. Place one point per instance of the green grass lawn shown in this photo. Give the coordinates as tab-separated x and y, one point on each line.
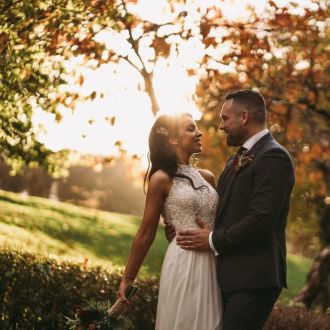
48	227
52	228
298	268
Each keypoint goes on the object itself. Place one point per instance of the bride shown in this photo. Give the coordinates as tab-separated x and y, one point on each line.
189	296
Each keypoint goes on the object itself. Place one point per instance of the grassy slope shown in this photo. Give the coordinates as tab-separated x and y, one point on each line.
44	226
48	227
298	268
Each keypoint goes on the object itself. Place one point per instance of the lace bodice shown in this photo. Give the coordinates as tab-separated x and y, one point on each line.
184	203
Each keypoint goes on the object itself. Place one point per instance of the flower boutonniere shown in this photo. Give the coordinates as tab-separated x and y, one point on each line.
244	160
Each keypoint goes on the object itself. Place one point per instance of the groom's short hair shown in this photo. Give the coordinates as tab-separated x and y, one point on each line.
252	101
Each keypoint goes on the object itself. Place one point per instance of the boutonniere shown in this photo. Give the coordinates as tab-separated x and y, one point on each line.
244	160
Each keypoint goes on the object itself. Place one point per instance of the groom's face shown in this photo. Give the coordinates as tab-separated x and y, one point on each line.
231	123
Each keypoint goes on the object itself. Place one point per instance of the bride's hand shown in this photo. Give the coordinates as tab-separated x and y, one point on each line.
124	284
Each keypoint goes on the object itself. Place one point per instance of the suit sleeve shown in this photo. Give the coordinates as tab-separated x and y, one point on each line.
272	184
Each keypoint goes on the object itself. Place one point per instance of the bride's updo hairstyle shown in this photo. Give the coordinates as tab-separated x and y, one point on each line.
162	155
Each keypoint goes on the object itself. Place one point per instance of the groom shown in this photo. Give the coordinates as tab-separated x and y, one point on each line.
249	236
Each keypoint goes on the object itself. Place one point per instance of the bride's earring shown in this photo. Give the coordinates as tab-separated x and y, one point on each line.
174	142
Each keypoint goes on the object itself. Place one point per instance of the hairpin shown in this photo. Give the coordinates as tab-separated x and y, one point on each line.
162	131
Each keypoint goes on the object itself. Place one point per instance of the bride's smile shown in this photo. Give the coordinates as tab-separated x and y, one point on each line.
189	138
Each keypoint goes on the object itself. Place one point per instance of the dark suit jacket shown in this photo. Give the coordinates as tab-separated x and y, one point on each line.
251	220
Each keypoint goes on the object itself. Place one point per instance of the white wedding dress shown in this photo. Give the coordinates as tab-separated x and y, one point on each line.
189	296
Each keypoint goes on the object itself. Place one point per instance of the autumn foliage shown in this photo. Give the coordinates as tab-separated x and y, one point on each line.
285	54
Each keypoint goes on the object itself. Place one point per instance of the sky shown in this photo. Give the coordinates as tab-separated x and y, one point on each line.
87	128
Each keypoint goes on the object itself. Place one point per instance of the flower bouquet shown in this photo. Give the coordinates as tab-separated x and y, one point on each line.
101	315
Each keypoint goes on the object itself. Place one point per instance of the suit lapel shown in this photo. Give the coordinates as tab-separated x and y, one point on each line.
230	181
226	190
224	173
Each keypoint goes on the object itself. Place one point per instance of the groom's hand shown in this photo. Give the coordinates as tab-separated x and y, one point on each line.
195	239
169	231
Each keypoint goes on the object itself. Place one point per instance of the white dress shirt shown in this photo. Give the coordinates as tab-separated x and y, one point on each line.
248	144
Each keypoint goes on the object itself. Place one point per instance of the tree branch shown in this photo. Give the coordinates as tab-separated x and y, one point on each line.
131	40
130	62
323	112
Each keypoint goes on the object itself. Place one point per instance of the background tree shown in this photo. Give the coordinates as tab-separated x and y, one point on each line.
103	185
35	38
316	290
285	54
95	182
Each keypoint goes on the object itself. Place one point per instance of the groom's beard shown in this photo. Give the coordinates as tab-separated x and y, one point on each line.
235	139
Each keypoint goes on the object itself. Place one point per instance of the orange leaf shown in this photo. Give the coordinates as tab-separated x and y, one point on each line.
93	95
80	80
279	108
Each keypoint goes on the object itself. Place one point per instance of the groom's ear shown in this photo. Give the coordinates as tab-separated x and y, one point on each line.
245	116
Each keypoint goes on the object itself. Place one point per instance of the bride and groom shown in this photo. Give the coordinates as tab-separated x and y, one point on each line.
226	262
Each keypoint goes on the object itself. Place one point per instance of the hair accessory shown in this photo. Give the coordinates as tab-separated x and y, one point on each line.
162	130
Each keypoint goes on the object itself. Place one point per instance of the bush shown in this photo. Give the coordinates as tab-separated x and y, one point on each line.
37	292
297	318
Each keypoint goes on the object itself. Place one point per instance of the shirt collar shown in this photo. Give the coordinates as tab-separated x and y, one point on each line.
249	143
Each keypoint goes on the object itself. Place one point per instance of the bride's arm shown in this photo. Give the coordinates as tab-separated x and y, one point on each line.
158	189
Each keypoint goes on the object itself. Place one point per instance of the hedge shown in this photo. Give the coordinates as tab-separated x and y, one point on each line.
297	318
37	292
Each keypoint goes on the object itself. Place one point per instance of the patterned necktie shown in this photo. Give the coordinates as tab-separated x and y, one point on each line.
241	150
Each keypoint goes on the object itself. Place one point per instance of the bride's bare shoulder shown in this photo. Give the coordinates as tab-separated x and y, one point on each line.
160	176
160	180
208	176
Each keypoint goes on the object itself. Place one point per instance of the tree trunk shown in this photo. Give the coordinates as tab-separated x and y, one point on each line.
317	288
149	89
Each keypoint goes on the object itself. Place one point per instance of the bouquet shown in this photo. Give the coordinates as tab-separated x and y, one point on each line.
101	315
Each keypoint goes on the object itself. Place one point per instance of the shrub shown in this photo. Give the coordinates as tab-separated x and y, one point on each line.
37	292
297	318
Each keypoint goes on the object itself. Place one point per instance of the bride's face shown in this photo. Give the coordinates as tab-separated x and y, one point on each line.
189	137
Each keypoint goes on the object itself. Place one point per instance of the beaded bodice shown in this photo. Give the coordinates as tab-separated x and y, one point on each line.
184	203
